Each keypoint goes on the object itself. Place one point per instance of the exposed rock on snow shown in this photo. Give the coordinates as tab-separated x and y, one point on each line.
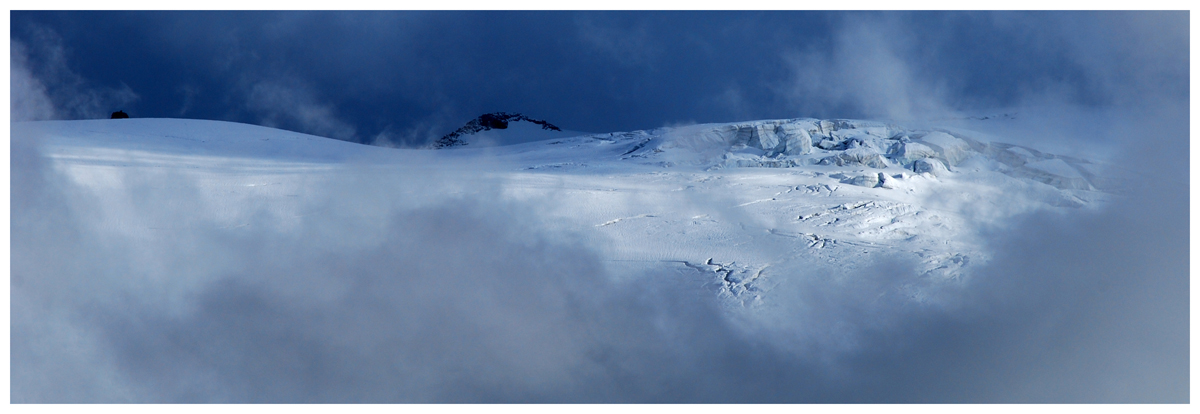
486	122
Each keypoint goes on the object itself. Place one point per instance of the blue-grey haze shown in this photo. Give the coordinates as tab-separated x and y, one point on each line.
1091	307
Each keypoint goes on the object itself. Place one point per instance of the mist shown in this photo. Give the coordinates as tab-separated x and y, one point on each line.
468	296
412	77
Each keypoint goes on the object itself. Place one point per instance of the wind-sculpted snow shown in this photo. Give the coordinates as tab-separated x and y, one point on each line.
191	261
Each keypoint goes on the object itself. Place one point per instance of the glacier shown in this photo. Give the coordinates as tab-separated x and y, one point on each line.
165	212
772	201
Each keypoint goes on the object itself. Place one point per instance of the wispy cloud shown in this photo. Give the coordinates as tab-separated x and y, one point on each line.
868	72
290	104
375	297
466	295
629	45
44	86
28	99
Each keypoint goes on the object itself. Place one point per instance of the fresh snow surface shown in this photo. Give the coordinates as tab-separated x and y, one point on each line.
741	207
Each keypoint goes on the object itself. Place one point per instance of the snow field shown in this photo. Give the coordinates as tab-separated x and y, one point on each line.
667	199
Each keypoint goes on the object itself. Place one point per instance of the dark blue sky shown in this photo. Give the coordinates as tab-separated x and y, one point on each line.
408	77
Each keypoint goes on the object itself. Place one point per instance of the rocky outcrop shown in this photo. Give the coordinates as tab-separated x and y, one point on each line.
485	122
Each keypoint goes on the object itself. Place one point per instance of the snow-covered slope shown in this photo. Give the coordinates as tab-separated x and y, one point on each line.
743	206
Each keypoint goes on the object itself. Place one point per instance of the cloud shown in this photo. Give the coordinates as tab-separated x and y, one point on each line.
380	296
868	72
45	87
189	94
931	65
1067	307
630	47
465	299
288	104
391	73
422	133
28	98
1118	58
